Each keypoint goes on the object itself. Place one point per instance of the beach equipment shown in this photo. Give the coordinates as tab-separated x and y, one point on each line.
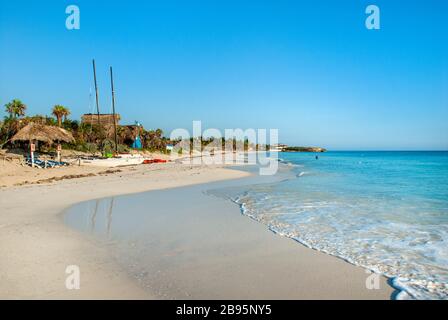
137	144
117	161
113	110
57	163
39	132
149	161
36	162
96	91
33	132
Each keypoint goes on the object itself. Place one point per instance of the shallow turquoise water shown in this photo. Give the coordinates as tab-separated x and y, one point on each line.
387	211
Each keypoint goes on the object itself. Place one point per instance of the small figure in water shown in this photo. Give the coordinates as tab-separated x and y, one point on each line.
317	157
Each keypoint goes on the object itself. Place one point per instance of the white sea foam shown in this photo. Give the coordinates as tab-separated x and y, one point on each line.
382	248
385	211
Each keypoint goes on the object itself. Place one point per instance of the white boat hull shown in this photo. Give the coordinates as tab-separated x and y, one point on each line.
113	162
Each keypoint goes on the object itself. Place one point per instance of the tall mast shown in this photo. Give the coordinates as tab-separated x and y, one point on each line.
96	92
113	109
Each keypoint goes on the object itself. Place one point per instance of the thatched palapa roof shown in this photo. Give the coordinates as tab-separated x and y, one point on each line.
34	131
104	119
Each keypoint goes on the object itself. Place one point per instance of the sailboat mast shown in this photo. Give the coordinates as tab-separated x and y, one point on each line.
96	93
113	109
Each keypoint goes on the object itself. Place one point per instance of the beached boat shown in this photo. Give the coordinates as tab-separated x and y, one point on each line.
120	160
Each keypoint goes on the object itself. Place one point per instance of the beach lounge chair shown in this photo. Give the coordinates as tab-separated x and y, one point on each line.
40	163
57	163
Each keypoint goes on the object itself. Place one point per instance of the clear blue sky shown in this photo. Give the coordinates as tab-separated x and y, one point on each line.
309	68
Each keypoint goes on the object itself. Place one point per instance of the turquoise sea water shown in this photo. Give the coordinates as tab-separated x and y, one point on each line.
386	211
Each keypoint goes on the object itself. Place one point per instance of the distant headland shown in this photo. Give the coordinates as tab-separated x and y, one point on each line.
286	148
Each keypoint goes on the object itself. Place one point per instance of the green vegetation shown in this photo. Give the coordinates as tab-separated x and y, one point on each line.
92	138
303	149
212	144
88	138
15	108
59	112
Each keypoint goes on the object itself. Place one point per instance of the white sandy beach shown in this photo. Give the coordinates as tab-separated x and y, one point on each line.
36	246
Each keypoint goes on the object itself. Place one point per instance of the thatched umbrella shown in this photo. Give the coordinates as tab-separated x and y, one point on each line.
40	132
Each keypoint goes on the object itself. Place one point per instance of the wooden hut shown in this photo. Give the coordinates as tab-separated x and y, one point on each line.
105	119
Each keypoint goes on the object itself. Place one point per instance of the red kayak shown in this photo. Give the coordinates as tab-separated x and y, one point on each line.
149	161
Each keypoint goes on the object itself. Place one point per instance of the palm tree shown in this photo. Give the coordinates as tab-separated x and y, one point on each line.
122	134
159	133
59	112
15	108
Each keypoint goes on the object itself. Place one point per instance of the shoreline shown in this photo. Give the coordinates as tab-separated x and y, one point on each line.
161	246
36	246
102	277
